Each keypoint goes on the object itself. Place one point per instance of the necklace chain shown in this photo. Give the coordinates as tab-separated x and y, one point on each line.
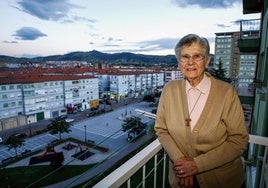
195	104
188	120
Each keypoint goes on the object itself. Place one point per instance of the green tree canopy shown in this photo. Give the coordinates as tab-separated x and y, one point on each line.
134	126
59	127
219	72
14	142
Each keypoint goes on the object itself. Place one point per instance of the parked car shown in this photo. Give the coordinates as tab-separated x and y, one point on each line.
21	135
62	117
69	120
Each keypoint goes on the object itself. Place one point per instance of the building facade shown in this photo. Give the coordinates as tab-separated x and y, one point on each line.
30	99
239	66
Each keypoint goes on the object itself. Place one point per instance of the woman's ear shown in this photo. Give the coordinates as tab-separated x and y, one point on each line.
207	62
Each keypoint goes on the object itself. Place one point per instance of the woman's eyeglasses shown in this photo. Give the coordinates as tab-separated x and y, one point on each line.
186	58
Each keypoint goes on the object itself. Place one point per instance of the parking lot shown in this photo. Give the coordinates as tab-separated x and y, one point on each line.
30	144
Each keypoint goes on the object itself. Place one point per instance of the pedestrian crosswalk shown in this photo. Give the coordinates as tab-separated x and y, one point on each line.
105	129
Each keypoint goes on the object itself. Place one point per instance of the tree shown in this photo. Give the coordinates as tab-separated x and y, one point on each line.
14	142
59	127
219	72
134	127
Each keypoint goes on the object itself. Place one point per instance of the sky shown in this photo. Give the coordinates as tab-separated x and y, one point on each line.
31	28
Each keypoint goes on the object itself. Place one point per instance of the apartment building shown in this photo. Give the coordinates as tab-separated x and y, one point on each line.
239	66
131	83
118	85
29	98
79	92
11	106
247	69
42	100
227	52
173	74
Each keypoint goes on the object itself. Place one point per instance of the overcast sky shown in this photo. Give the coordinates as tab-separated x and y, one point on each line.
32	28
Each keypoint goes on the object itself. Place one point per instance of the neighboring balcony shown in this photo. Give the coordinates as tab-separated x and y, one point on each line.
140	166
249	40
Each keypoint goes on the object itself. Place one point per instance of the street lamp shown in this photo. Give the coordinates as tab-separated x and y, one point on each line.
126	108
85	133
30	127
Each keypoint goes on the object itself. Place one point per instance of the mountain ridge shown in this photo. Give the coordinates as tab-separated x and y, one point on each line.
96	56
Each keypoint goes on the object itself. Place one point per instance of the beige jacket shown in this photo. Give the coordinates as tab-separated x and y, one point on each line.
216	142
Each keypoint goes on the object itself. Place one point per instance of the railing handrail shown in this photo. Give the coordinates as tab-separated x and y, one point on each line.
250	28
260	140
125	171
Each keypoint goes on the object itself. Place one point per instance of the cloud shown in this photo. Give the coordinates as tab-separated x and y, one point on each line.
111	45
159	44
84	19
47	10
28	33
55	10
222	25
164	44
207	3
9	42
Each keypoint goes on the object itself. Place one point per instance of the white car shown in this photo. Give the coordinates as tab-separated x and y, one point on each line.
69	120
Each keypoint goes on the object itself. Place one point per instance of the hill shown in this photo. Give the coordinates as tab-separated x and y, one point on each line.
96	56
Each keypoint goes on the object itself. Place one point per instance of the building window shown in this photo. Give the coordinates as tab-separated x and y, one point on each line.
3	88
29	93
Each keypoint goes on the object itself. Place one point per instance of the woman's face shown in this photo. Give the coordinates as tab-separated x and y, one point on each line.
192	62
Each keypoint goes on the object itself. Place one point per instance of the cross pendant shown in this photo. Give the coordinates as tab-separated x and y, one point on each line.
188	120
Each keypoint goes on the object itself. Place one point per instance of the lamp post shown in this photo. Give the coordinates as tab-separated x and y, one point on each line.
30	127
126	108
85	133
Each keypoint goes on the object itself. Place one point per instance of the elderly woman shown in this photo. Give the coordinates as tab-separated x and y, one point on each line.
200	123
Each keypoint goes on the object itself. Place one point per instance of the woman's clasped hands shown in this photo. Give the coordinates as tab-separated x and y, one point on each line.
185	169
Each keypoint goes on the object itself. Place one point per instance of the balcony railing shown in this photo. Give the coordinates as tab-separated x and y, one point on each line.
255	165
250	28
250	32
